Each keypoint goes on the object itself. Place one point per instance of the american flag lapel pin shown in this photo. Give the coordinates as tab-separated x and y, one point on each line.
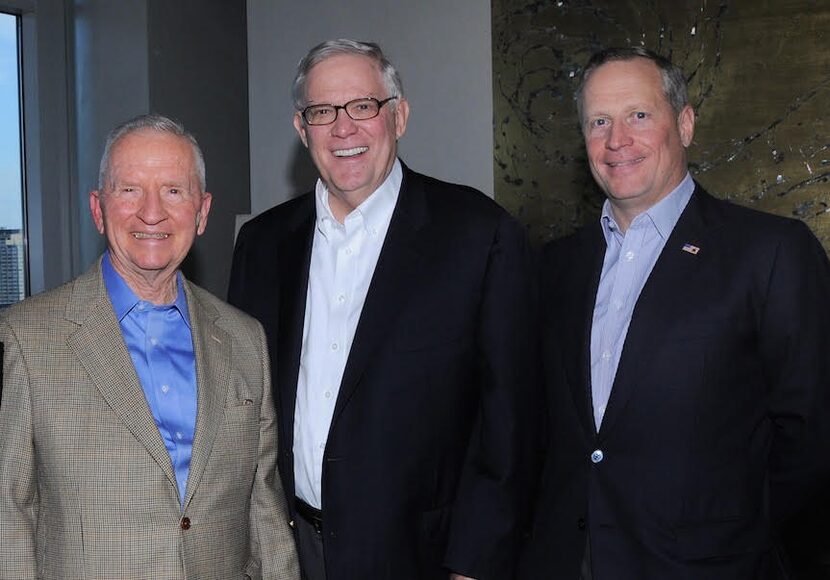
692	249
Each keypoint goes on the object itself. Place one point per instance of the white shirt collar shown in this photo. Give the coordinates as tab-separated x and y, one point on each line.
372	214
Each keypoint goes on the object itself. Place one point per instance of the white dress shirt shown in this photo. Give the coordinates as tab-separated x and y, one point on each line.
343	259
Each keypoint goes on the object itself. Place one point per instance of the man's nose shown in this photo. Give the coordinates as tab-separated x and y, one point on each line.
151	210
618	136
343	125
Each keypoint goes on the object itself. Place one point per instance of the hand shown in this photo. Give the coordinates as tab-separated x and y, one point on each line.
460	577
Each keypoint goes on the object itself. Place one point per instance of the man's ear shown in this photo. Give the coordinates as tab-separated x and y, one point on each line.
401	117
202	214
686	125
299	125
96	209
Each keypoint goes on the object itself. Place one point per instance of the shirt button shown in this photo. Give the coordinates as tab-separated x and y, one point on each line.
596	456
153	341
179	435
322	446
327	394
629	255
348	251
606	355
601	410
334	346
164	389
341	298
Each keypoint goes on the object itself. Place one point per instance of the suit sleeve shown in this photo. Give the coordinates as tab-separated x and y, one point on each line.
795	348
489	512
18	483
272	541
239	270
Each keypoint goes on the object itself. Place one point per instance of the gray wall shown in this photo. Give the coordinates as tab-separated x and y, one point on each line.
184	59
442	48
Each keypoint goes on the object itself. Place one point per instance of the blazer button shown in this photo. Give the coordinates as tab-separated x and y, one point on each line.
184	523
580	523
596	456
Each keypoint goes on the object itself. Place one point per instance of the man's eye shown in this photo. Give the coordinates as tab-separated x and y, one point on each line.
321	112
640	115
175	190
599	122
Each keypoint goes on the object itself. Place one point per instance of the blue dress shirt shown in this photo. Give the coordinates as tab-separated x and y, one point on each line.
629	258
159	341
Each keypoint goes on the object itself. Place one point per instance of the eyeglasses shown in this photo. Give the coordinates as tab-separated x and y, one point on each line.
358	110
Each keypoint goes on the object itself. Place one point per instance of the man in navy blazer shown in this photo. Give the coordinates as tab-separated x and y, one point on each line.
685	351
398	311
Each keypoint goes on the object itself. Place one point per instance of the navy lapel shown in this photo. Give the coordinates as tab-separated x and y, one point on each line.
674	272
392	281
294	259
578	345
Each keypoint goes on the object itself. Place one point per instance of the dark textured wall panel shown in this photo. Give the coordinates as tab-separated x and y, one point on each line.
759	79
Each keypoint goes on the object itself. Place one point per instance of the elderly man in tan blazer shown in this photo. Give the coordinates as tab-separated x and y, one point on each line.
127	451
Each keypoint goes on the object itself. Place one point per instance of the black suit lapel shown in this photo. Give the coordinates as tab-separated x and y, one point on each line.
397	269
577	346
673	275
294	258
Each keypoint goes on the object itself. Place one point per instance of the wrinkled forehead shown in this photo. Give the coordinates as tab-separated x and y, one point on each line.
152	154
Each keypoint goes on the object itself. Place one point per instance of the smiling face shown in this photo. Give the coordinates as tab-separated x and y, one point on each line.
635	141
352	157
151	209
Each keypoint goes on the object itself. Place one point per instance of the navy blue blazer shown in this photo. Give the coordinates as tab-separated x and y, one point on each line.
713	432
424	460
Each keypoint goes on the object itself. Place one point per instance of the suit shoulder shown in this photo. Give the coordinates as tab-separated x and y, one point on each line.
275	221
48	305
573	245
746	225
456	197
464	209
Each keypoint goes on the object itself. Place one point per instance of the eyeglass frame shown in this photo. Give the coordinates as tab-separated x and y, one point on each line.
344	106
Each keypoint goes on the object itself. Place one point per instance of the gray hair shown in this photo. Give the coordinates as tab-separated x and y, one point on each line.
674	82
329	48
152	122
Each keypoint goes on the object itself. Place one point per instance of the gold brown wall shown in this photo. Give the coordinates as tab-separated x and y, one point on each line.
759	80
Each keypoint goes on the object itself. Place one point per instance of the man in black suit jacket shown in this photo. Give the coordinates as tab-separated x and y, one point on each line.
398	310
685	350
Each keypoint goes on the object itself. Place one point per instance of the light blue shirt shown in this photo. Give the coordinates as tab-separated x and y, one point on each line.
629	259
159	341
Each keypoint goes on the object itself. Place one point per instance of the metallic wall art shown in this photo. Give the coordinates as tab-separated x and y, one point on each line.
759	80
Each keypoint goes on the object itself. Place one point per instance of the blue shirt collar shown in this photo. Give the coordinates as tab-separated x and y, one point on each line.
123	298
663	215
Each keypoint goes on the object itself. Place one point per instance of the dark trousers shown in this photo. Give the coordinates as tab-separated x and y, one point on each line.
310	550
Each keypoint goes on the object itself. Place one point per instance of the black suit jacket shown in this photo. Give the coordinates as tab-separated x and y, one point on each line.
713	429
424	455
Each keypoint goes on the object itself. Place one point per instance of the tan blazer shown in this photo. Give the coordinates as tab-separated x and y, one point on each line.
87	489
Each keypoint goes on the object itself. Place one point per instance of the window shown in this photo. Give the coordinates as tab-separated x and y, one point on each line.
13	273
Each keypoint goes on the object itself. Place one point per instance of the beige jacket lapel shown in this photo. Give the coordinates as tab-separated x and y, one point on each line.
100	348
212	347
